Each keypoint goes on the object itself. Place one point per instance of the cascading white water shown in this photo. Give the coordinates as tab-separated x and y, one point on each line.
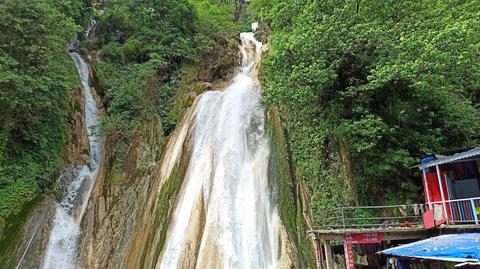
63	240
227	176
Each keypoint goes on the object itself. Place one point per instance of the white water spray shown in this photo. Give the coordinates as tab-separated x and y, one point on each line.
227	177
63	241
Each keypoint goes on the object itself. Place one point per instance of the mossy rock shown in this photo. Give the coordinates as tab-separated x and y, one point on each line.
13	236
282	179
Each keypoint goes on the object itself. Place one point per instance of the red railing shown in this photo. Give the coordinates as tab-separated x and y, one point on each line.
460	211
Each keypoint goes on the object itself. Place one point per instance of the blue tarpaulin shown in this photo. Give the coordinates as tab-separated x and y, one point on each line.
464	247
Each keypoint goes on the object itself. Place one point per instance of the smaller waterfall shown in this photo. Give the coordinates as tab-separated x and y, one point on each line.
63	240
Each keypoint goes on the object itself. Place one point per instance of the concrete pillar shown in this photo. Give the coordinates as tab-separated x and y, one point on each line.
328	254
318	252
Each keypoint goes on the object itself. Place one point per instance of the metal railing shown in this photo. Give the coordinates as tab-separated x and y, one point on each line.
460	211
372	217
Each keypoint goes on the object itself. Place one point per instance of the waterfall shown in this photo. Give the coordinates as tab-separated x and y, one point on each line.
226	190
63	240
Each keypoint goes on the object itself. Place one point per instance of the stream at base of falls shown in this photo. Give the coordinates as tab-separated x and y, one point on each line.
63	240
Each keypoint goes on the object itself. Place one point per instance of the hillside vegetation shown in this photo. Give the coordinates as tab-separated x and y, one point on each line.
363	88
36	74
143	48
139	48
367	87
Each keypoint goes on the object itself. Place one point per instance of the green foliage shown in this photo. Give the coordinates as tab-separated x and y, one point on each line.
285	190
393	79
215	17
78	10
132	94
138	32
143	46
35	75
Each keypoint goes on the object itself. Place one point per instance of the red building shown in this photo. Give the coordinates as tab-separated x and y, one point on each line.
451	188
451	185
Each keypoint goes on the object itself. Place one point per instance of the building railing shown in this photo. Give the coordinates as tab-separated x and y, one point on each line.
460	211
372	217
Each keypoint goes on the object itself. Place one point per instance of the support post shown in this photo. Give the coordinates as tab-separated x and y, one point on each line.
328	254
427	192
474	212
439	178
318	252
349	262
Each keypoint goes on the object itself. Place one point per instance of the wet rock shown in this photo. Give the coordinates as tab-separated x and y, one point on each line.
291	196
77	149
35	236
123	231
202	86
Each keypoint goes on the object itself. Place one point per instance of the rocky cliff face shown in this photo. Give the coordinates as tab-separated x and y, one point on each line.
34	234
126	220
24	242
121	201
292	196
77	150
125	225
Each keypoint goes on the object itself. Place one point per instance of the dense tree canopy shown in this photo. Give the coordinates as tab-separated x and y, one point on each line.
35	76
364	88
143	47
139	48
372	85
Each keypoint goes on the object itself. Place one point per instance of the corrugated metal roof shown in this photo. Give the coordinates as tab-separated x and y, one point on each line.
463	247
448	159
